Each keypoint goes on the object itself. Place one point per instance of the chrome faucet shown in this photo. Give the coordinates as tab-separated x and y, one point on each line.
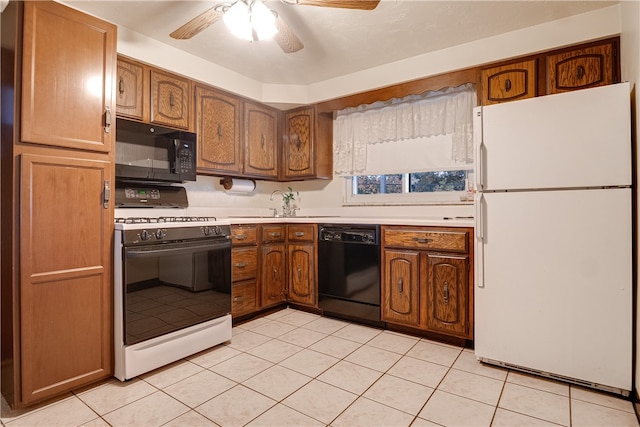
273	193
275	211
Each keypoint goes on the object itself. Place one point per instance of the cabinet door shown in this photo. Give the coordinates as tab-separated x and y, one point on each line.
218	129
170	99
581	68
299	143
401	287
69	69
509	82
66	288
129	90
447	294
302	282
261	141
273	274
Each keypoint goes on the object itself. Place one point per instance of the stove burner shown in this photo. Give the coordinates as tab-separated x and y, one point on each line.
161	219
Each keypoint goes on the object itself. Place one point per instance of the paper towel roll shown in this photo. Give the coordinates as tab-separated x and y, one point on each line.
234	185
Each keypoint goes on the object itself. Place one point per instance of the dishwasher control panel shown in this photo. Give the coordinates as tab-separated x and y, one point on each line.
352	234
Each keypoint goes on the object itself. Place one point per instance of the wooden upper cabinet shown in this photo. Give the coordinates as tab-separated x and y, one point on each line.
299	143
261	141
218	129
170	99
69	70
130	89
509	82
581	68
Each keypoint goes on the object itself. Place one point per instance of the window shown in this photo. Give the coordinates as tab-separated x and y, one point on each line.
449	186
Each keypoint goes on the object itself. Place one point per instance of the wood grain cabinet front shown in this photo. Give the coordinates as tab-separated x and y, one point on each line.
244	269
171	99
261	141
582	68
427	279
509	82
304	155
301	262
130	90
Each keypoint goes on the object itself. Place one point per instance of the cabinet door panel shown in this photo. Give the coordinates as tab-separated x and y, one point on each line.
581	68
273	274
69	69
447	292
261	142
129	90
301	274
299	144
218	129
509	82
401	287
66	285
170	99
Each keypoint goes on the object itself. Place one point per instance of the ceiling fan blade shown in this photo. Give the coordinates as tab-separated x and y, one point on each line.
344	4
197	24
286	38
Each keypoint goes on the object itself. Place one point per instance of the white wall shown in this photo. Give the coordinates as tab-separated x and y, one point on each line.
630	68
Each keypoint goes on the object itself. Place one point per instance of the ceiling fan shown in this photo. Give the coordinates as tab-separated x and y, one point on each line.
285	37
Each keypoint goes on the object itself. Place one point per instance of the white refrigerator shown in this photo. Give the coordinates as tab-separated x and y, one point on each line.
553	248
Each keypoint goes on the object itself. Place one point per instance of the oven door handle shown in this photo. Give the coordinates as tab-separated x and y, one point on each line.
181	249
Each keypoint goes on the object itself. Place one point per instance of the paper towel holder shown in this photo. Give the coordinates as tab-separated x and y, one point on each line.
227	182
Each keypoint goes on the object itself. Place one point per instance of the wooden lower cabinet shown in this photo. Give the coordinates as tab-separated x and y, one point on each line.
244	270
447	293
273	276
401	290
66	288
427	279
302	284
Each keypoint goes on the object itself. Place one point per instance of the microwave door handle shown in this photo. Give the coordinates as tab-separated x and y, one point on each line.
176	156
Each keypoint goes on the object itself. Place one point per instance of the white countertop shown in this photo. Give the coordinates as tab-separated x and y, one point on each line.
425	221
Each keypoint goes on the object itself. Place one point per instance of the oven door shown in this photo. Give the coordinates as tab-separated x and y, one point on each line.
172	286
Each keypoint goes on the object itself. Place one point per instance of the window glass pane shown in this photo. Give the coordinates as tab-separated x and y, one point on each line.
391	184
368	184
437	181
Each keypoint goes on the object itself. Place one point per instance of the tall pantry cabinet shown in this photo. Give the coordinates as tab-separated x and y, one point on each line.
58	149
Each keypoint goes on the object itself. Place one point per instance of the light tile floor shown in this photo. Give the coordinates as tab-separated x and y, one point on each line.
293	368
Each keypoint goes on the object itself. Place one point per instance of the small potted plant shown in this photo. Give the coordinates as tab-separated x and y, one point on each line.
287	198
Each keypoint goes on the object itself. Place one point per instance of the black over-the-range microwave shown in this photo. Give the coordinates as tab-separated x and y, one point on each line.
146	152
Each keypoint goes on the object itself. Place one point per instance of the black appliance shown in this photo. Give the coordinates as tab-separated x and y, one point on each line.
146	152
349	271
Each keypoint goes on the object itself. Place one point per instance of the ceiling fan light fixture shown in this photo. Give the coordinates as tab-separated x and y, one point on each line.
238	20
250	20
263	21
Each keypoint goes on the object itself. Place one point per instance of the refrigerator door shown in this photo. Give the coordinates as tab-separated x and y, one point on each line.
557	283
568	140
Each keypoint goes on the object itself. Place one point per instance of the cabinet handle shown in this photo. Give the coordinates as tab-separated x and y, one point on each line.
107	119
240	264
262	140
422	240
445	291
171	100
237	299
580	72
275	273
274	234
121	86
400	285
106	195
219	130
299	273
507	85
296	140
299	233
240	237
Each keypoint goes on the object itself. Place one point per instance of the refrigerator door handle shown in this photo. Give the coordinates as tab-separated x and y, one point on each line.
479	148
479	247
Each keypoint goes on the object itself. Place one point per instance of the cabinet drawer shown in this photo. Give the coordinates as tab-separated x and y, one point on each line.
441	240
244	263
272	233
244	235
301	233
243	297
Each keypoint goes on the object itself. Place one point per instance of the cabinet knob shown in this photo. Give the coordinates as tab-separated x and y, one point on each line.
580	72
299	273
262	140
121	86
219	130
400	285
422	240
274	234
240	237
240	264
171	100
299	233
507	85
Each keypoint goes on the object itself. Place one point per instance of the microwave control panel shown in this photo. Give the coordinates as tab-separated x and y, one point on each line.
142	193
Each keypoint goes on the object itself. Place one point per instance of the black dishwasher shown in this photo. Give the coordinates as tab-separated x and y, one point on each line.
349	271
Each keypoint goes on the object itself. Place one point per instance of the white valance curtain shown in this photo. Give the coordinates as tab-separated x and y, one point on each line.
438	113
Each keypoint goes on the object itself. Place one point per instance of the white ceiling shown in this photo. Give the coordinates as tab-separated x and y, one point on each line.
337	41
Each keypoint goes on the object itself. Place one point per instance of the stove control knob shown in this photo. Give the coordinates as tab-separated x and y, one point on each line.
160	234
217	230
144	235
206	230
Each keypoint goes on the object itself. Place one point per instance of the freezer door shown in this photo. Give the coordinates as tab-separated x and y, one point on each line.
557	269
568	140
